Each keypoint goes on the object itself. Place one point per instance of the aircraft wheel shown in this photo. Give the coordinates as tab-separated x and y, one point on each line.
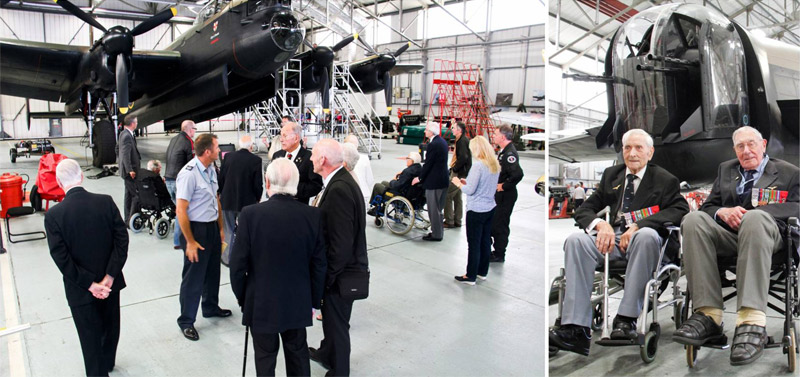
13	153
136	222
36	200
162	228
104	143
650	347
691	355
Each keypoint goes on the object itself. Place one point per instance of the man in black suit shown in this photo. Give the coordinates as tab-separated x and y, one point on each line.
344	222
240	185
310	183
285	265
89	244
736	221
635	185
434	178
129	164
459	168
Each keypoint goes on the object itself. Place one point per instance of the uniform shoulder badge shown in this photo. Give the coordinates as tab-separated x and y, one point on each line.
511	159
188	167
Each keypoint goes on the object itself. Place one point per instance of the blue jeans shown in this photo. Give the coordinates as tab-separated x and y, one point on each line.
479	241
171	188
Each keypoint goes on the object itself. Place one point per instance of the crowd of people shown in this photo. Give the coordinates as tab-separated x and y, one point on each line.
313	257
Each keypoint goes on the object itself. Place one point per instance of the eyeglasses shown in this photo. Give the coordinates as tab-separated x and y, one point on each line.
751	145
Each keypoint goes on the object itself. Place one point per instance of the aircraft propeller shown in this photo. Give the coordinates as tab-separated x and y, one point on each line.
387	78
118	41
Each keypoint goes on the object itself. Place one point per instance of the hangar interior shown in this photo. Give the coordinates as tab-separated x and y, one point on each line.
417	320
580	35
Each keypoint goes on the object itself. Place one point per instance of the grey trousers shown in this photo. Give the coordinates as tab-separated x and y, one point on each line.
704	240
453	204
581	257
229	219
435	200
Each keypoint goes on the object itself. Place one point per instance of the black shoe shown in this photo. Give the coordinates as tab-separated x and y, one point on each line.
176	248
371	211
220	313
465	280
571	338
429	237
624	328
748	344
190	333
496	259
313	354
697	330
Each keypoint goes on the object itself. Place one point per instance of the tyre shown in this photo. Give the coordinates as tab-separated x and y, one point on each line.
136	223
399	215
162	228
36	199
691	355
597	317
650	347
792	351
13	153
104	143
677	314
378	222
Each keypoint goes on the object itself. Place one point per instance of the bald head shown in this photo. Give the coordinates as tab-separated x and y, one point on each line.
245	142
327	156
188	127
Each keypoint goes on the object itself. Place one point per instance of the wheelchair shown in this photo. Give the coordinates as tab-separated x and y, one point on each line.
783	286
610	279
400	213
156	208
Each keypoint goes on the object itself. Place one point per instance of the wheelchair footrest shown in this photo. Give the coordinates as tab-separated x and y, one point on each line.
771	343
608	342
718	343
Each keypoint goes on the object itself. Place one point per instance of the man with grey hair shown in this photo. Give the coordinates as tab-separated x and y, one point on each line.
344	222
154	166
401	181
632	191
752	198
240	185
285	264
506	195
310	183
91	266
179	152
129	165
434	178
351	157
363	169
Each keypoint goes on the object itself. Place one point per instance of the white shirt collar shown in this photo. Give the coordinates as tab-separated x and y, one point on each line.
640	174
328	178
132	134
294	152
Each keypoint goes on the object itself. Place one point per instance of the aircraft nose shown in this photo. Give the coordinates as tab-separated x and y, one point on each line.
286	32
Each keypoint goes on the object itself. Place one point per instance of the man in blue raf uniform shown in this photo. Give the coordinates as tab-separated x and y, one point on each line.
506	196
202	230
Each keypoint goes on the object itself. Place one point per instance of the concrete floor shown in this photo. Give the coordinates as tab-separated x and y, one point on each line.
417	320
671	357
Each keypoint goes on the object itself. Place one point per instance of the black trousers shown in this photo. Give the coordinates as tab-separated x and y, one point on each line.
502	218
334	349
98	331
479	243
295	352
131	197
200	279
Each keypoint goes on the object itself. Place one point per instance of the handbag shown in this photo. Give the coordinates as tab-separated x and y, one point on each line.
354	284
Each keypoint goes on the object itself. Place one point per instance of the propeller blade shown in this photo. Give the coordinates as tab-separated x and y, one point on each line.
344	42
387	91
77	12
326	90
152	22
369	48
122	84
308	44
402	49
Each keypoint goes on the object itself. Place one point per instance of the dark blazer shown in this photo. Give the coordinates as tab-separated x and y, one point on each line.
179	152
434	173
463	157
778	174
278	275
403	181
129	158
310	183
658	187
344	219
240	181
88	240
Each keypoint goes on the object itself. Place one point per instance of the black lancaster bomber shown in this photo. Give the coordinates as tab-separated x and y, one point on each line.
689	77
212	69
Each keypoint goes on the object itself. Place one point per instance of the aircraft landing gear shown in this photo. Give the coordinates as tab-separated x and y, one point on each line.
103	144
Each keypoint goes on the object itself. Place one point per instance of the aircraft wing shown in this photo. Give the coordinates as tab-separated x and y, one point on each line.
530	120
400	69
38	70
580	148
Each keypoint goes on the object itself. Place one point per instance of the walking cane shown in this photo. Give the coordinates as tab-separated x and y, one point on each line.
244	361
606	328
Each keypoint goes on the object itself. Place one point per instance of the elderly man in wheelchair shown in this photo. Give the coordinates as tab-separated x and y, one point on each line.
642	200
397	202
744	219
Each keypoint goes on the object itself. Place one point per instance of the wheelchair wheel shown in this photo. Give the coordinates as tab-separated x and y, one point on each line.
552	351
691	355
162	228
792	351
136	223
378	222
650	347
677	314
399	215
597	317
